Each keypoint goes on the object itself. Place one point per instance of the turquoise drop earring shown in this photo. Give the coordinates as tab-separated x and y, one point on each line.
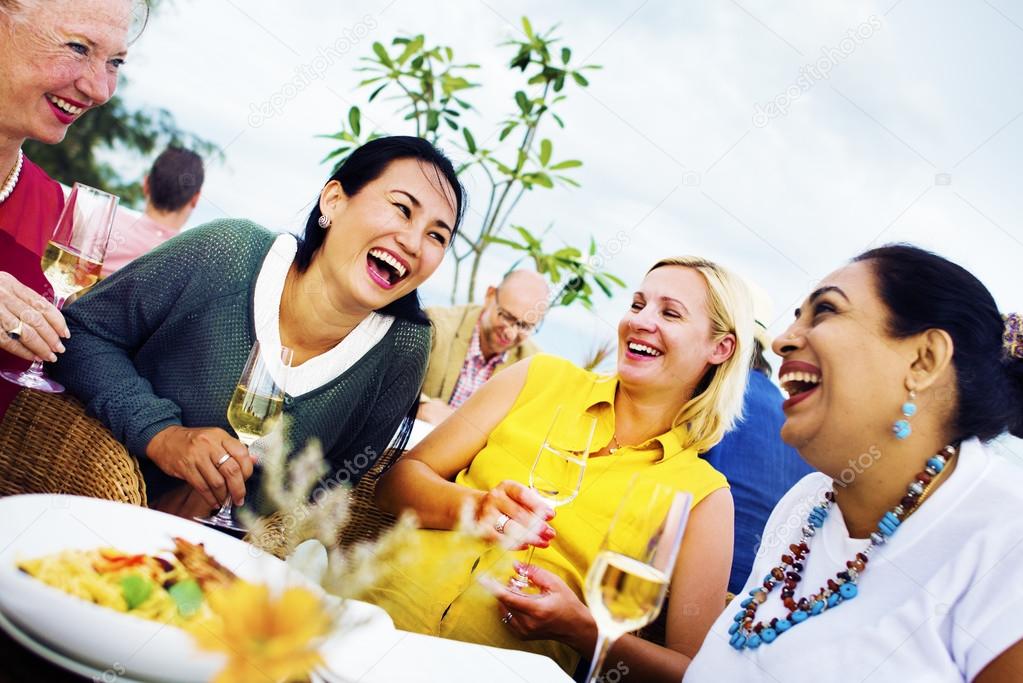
901	428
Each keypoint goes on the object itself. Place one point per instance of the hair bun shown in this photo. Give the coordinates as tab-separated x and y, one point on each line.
1012	336
1012	343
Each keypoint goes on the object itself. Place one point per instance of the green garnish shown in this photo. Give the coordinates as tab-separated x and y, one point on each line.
187	596
135	590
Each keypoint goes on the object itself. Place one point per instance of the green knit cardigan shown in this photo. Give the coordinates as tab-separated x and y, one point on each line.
163	341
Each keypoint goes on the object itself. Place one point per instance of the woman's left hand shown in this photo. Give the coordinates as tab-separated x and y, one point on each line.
555	614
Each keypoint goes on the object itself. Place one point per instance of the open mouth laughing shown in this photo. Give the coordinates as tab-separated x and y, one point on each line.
65	111
65	106
799	380
386	268
640	350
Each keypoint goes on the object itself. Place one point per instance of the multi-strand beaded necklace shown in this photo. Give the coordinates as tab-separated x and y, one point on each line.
746	632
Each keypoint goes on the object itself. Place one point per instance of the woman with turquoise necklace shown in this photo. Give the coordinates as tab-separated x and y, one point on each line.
901	559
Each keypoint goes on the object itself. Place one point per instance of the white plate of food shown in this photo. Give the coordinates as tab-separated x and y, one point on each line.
59	539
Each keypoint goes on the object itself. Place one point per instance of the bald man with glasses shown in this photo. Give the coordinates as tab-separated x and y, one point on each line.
472	342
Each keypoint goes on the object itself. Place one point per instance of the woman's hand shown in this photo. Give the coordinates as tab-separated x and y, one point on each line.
192	454
524	513
555	614
41	324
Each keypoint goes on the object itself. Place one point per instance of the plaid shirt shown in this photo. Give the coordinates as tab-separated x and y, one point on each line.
475	370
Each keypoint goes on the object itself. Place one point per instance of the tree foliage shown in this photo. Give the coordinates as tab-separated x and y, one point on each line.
566	267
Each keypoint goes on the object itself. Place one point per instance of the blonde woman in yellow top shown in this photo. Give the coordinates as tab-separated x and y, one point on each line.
682	362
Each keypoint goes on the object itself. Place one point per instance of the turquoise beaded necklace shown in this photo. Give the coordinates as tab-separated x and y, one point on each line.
747	634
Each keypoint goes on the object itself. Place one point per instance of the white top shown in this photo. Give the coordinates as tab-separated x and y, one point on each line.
266	308
938	602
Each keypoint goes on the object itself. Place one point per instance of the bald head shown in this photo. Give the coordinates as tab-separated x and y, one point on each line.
528	283
512	311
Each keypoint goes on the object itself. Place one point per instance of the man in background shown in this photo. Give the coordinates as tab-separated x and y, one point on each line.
172	191
472	342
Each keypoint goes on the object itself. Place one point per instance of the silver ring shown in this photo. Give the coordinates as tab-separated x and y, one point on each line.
224	458
507	618
15	334
499	524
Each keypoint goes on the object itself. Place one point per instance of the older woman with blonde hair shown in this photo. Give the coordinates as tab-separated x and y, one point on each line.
682	364
58	60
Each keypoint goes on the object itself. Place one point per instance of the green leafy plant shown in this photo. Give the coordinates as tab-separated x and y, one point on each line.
566	266
433	90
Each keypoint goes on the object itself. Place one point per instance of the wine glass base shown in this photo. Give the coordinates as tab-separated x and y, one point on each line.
230	527
33	380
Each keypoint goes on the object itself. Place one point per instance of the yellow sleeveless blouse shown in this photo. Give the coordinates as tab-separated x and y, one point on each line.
434	589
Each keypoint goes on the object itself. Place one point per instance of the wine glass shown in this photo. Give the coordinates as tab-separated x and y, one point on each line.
71	262
557	473
628	580
254	411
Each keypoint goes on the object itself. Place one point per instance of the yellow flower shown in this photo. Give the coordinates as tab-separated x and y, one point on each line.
264	639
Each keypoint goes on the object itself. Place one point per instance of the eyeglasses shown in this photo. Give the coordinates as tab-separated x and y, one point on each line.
521	326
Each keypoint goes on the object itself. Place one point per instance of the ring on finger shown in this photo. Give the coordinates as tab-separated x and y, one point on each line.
15	332
224	458
507	618
499	524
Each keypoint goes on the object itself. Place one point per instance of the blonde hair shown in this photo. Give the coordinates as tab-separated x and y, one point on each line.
14	10
10	8
716	405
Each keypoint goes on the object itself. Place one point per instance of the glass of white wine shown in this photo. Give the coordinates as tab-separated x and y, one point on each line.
628	581
557	473
72	262
254	411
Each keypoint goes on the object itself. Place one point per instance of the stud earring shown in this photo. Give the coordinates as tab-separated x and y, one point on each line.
323	222
901	428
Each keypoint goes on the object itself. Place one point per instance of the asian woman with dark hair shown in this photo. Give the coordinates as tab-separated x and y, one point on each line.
365	165
157	347
903	554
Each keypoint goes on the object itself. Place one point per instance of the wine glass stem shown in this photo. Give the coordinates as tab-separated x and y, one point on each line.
599	655
529	561
37	366
224	513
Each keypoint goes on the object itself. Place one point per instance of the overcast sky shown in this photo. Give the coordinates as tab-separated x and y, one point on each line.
778	137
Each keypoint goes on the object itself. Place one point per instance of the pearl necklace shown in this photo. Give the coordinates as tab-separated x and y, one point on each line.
12	179
745	634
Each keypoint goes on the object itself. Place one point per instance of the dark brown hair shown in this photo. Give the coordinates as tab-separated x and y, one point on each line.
176	177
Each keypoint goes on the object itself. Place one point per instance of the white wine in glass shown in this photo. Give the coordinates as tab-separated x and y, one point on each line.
72	262
253	415
628	580
624	594
254	411
68	272
557	472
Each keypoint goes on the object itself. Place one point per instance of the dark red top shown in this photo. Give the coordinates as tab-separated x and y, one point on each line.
27	219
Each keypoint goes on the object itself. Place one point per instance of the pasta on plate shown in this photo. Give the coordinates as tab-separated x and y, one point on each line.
169	587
